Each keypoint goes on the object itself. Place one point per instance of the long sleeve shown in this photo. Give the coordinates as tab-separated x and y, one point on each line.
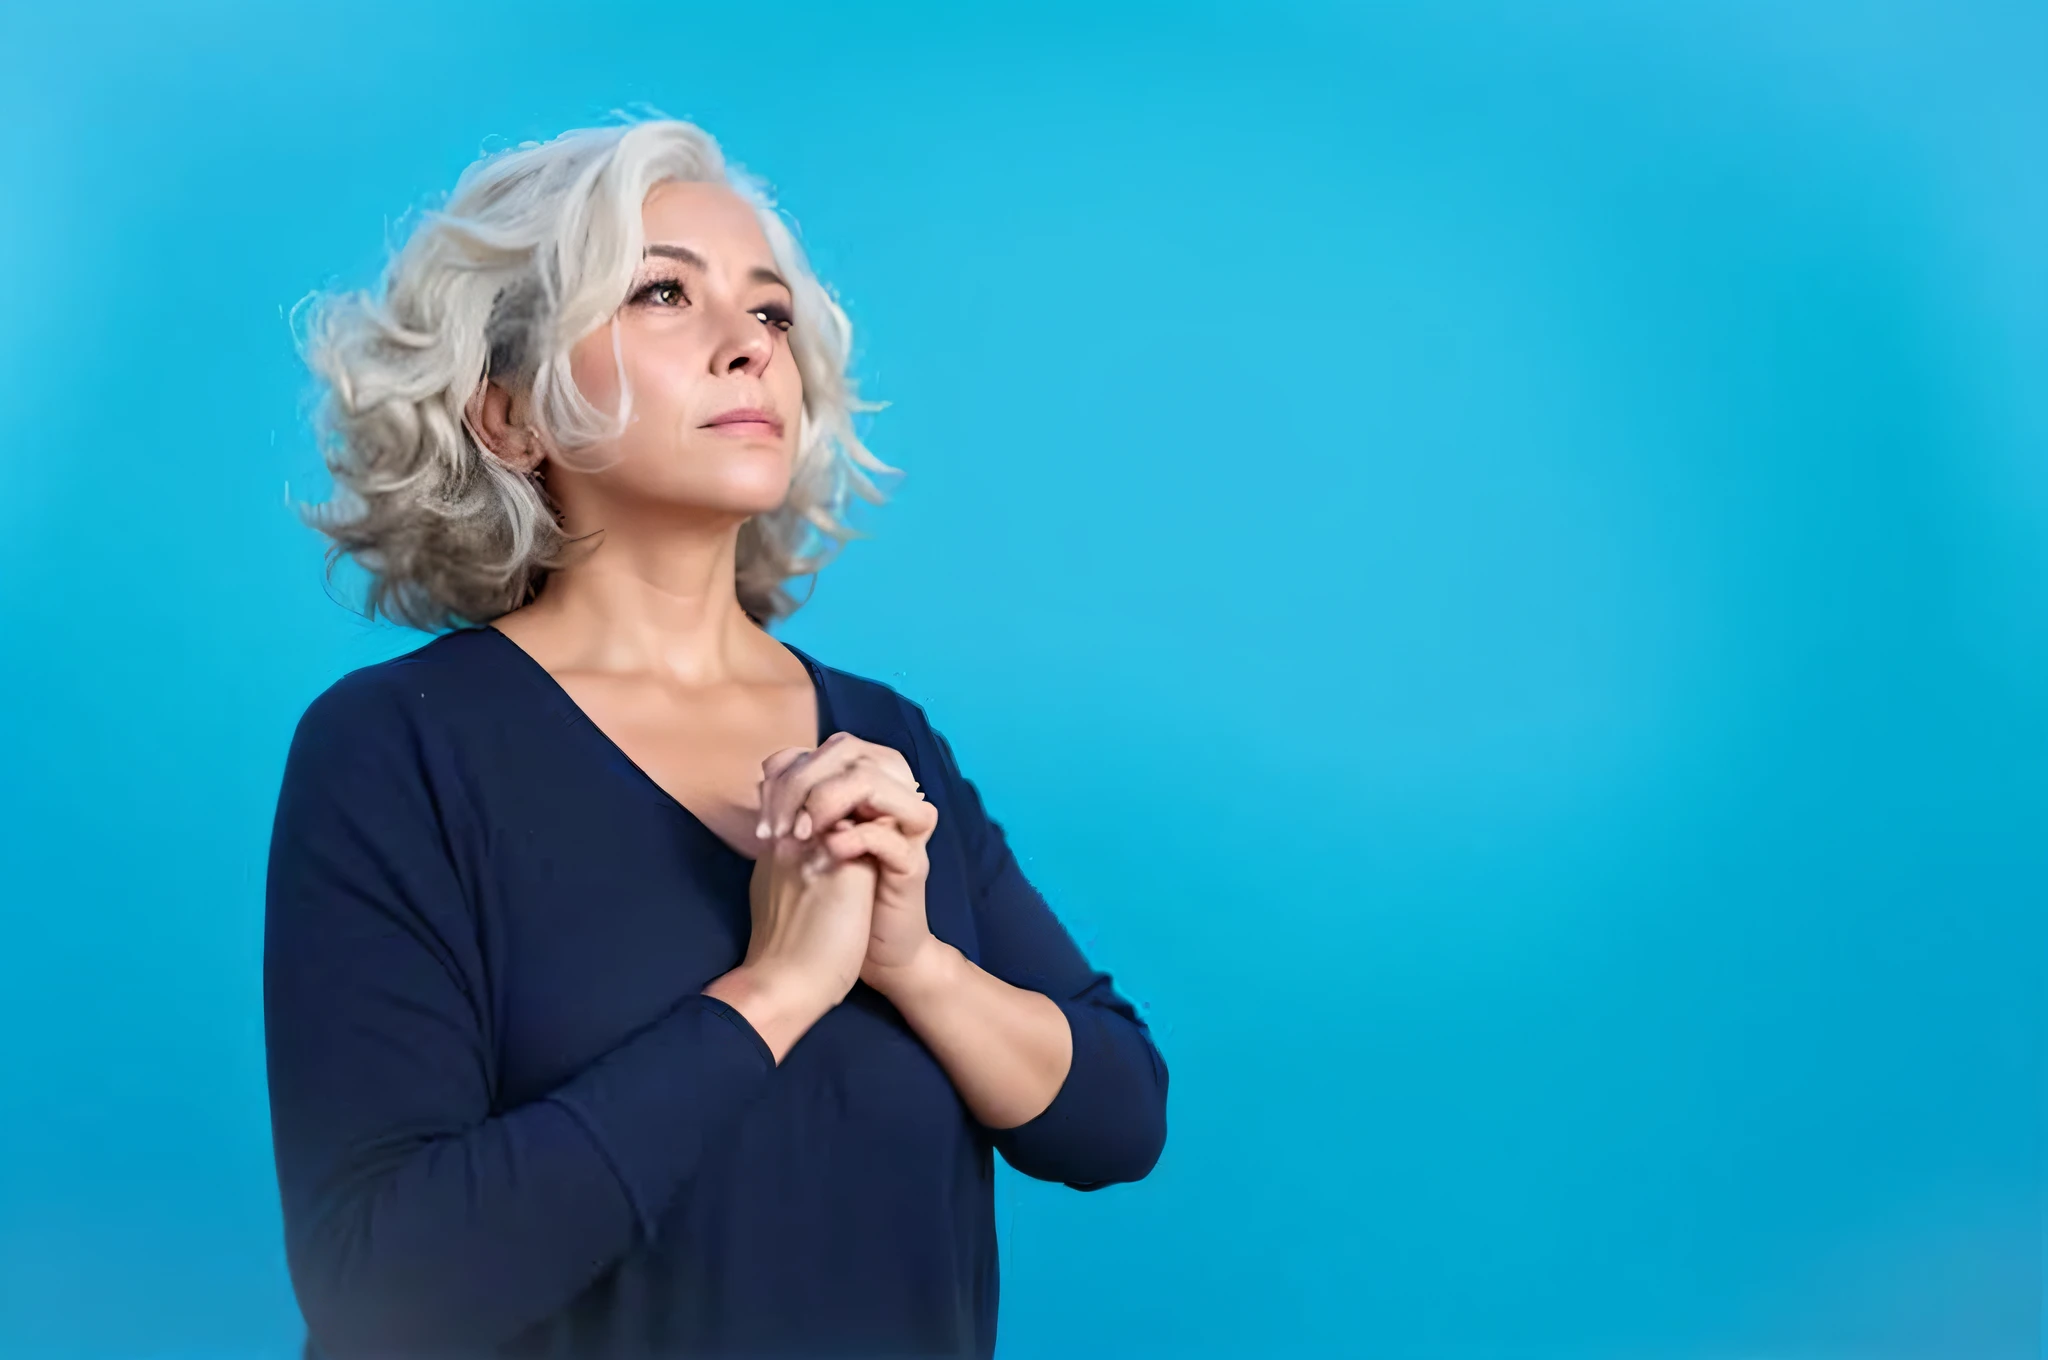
420	1220
1107	1124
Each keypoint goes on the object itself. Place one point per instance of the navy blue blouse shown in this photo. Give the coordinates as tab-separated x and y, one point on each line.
507	1121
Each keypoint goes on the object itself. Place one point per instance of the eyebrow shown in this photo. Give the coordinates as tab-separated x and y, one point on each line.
759	274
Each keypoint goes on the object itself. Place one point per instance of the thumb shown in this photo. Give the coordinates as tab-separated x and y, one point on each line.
774	765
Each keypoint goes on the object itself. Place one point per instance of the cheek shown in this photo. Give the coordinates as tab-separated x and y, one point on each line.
595	371
660	375
786	389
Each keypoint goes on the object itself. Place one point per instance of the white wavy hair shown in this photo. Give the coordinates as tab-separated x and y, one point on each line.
535	249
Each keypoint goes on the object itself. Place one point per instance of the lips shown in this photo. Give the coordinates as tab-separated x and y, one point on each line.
746	420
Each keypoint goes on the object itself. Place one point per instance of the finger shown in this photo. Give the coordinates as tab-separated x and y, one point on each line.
881	838
852	791
789	791
771	770
792	777
795	771
842	846
863	792
892	759
820	856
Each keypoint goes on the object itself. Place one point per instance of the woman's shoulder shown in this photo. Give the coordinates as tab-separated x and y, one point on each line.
886	712
863	701
448	675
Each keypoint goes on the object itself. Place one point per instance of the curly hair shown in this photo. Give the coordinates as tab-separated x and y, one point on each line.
533	251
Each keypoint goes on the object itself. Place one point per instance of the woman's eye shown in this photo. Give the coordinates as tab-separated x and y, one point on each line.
670	293
664	292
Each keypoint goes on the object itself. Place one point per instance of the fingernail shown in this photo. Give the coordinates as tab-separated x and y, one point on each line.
803	825
761	830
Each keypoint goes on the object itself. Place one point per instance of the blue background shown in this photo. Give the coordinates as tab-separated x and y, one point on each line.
1493	558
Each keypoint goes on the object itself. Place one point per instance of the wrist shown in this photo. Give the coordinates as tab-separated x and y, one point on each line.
931	971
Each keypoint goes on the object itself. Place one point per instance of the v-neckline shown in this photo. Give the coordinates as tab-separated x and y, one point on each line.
552	690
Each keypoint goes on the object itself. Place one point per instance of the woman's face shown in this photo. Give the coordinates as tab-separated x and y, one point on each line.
716	393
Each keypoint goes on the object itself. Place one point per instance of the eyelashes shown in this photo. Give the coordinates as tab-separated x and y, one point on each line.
648	293
663	293
775	315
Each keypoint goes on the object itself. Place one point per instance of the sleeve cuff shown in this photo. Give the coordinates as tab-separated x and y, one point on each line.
1106	1124
742	1024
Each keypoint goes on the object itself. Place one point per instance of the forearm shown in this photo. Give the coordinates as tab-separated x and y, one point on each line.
414	1223
465	1242
1007	1050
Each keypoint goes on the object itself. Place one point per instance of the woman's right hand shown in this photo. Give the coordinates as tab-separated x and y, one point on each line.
811	915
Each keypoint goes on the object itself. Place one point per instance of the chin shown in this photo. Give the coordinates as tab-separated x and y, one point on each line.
752	481
747	498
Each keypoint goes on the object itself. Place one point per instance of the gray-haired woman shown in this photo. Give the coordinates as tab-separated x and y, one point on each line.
635	983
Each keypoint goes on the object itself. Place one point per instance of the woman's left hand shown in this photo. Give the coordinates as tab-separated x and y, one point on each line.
860	798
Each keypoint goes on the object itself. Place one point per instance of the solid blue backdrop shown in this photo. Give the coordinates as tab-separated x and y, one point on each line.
1493	559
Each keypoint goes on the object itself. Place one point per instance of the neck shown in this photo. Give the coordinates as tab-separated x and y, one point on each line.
635	605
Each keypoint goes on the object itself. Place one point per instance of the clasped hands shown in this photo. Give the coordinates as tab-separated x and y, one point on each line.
838	897
838	891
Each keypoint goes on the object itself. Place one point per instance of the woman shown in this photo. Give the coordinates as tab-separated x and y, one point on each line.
636	984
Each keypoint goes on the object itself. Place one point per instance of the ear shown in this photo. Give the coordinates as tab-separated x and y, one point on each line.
499	420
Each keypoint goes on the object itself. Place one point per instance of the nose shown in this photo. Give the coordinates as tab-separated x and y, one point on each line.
746	343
